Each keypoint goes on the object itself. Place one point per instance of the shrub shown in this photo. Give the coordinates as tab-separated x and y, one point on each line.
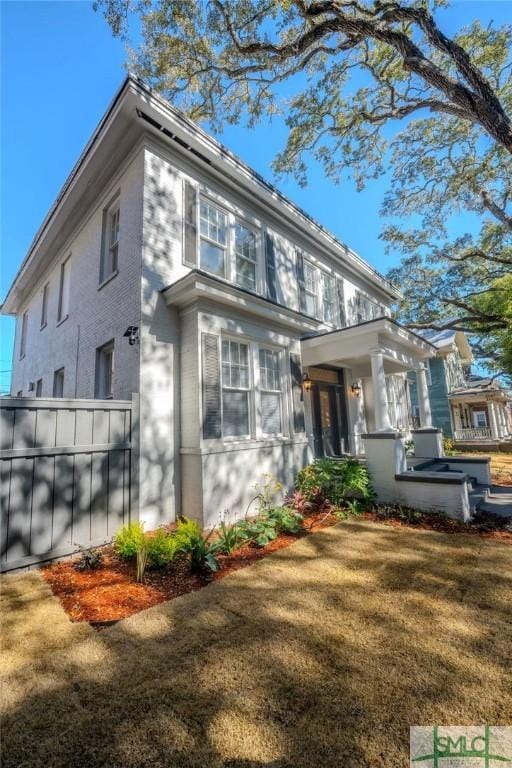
189	539
161	548
285	519
261	531
129	540
335	480
90	559
266	492
448	448
401	512
230	537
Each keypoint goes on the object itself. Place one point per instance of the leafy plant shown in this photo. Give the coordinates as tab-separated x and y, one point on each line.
189	539
129	539
448	447
285	519
400	512
161	548
262	530
90	559
266	493
230	537
354	507
409	447
335	480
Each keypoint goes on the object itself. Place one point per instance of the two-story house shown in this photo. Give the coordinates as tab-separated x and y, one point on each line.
466	407
169	271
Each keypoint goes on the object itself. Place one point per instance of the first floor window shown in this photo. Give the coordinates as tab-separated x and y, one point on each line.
39	388
480	418
327	298
235	389
270	392
58	383
245	255
23	340
105	371
213	227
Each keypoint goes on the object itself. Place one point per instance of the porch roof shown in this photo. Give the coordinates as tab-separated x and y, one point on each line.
402	349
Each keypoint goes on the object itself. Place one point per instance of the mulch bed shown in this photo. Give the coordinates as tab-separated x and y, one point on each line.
110	593
485	525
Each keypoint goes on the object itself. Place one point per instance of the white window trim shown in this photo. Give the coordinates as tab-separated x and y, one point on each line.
475	419
259	288
113	206
316	292
250	390
281	392
335	313
23	334
44	306
62	374
64	294
227	247
99	374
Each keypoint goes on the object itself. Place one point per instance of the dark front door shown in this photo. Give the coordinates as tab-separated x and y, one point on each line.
329	420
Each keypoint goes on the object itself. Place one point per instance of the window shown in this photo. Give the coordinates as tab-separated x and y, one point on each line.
64	291
480	418
105	371
44	305
235	389
214	239
23	339
110	241
270	392
366	309
328	288
39	388
310	288
246	258
58	383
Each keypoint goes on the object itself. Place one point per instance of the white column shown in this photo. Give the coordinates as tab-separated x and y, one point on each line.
423	398
502	420
492	419
380	395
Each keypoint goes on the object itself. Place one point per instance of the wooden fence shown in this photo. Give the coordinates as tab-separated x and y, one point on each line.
66	476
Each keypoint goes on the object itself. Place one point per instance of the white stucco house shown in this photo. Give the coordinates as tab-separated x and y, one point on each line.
169	272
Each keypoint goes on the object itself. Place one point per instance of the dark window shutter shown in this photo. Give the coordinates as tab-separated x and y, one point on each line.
341	302
298	400
270	267
300	281
190	231
211	387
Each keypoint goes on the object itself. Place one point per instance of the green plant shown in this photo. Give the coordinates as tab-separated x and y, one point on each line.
161	548
202	552
266	492
129	539
409	447
336	480
285	519
90	559
448	447
230	537
262	530
354	507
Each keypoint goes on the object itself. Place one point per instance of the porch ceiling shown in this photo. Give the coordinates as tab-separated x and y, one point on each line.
350	347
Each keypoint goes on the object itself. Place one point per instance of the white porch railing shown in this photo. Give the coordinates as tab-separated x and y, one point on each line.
473	433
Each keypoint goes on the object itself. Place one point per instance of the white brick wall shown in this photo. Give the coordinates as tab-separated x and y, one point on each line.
95	316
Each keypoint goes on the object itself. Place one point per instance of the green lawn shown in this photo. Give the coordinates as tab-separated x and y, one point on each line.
320	655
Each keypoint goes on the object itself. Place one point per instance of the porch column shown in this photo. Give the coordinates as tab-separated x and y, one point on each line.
380	395
423	398
501	420
492	419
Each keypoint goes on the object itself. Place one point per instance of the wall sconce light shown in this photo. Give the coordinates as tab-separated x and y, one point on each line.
132	334
356	388
306	383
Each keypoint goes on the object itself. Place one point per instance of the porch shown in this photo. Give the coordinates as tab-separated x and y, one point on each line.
355	383
480	415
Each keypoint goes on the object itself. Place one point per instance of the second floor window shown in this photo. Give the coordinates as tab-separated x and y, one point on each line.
310	289
214	238
105	371
235	389
246	257
44	305
64	290
328	304
109	257
23	339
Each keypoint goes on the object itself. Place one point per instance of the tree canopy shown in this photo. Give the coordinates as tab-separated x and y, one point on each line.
371	86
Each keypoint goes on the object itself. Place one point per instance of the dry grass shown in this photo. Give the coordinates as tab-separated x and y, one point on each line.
501	464
320	655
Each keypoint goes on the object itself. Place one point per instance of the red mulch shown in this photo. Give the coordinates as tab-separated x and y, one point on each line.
110	592
486	528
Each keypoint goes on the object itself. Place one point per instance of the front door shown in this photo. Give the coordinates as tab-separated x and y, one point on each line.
329	420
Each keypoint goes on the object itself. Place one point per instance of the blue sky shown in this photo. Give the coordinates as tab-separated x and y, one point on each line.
60	67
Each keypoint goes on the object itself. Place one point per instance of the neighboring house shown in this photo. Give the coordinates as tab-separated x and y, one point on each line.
464	406
169	272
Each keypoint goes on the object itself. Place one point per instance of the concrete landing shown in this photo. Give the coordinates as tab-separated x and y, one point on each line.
498	501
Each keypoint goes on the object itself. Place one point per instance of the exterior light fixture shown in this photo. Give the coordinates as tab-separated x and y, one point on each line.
356	388
132	334
306	383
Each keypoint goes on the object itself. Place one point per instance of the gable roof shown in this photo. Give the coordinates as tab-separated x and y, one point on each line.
447	339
